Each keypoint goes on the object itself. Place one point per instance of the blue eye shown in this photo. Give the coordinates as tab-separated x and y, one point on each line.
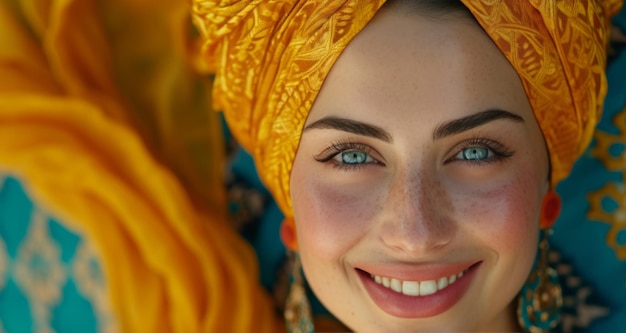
349	156
355	157
474	154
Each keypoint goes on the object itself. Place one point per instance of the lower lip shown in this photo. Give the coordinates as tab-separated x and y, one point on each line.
403	306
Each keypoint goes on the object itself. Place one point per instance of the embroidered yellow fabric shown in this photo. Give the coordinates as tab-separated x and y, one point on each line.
271	57
558	49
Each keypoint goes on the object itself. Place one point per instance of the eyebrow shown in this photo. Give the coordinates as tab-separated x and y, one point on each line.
466	123
351	126
446	129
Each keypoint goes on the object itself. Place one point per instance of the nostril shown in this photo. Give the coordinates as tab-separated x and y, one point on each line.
418	237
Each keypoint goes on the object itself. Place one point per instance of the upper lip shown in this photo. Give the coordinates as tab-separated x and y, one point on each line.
416	272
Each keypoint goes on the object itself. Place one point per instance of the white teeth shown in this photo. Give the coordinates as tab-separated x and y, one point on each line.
411	288
428	287
442	283
417	288
396	285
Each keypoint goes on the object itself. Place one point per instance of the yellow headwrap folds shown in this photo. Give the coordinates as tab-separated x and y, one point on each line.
271	57
558	49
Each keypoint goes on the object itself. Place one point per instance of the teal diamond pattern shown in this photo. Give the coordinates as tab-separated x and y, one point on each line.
50	275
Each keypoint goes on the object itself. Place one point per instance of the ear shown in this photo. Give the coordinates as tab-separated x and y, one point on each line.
288	234
550	209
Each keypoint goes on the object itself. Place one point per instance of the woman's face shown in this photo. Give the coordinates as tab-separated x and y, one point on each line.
421	166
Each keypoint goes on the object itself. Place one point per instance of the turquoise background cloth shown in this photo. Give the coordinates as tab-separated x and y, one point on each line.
583	231
50	276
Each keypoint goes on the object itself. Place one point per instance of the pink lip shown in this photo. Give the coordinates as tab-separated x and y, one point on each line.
412	272
403	306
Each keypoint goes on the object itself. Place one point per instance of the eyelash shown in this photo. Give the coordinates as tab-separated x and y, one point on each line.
336	148
500	151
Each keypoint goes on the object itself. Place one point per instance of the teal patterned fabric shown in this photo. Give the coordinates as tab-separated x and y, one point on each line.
50	276
591	231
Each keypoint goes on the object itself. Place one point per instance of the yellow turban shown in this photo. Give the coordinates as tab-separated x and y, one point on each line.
271	57
558	49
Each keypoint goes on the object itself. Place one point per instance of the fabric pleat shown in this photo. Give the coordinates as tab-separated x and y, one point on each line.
107	125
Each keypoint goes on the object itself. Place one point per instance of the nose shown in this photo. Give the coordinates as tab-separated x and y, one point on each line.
418	215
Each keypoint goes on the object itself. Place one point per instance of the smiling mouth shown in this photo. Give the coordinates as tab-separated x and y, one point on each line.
417	288
420	291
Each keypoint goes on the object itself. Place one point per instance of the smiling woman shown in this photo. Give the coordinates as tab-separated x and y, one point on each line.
414	147
410	199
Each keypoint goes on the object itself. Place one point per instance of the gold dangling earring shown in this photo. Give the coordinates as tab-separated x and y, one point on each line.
297	309
541	298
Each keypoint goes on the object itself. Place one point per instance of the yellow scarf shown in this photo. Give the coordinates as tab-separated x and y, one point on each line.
105	124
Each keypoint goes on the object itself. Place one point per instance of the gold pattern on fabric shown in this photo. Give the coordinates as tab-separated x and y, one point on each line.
558	49
90	282
43	276
613	192
40	272
271	57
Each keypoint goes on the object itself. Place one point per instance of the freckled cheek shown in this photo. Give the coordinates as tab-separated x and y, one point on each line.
332	215
507	215
519	225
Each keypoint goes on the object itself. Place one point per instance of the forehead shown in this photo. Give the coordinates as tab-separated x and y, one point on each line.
403	62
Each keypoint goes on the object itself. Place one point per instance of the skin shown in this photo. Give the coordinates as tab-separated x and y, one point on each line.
416	201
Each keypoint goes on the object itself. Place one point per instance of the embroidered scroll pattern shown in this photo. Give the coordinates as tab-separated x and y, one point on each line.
608	204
